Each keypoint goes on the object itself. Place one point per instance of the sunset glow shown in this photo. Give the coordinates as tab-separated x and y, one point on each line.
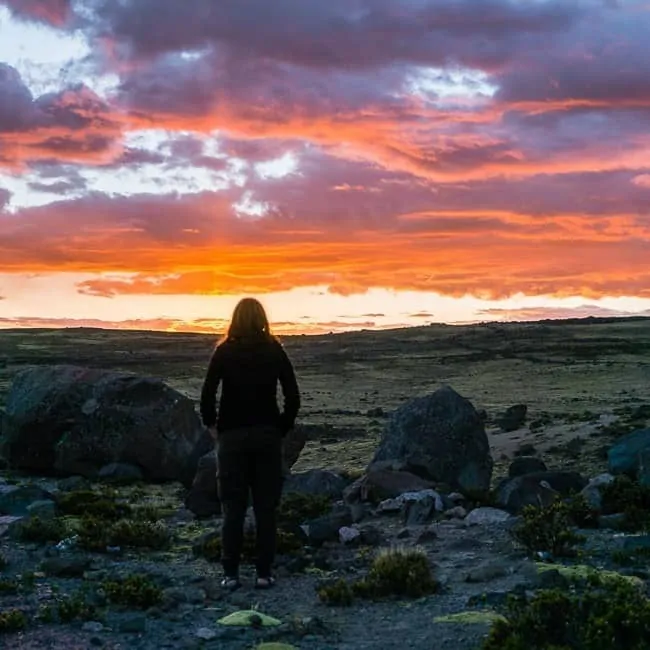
353	163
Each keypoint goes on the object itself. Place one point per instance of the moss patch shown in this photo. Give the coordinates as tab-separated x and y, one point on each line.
583	572
471	618
249	618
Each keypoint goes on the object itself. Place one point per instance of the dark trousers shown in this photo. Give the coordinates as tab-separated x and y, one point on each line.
249	461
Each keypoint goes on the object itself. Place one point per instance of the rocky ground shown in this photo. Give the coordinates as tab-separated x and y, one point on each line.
588	389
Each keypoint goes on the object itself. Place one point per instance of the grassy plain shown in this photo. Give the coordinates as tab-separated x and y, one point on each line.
583	380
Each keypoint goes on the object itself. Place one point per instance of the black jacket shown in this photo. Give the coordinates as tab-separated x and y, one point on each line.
249	371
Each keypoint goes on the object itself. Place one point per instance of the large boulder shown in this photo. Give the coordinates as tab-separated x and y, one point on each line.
513	418
202	498
70	420
625	456
317	482
440	437
537	489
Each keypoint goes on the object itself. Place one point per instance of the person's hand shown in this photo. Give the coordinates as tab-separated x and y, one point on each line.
213	432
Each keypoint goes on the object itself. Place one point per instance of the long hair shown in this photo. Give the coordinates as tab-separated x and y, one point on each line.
249	321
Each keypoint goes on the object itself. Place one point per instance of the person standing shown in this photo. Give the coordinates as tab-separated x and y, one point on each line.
248	363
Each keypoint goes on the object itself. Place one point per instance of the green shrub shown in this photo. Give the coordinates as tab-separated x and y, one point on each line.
12	620
97	535
139	534
631	498
404	573
398	572
86	503
137	591
40	530
9	586
65	609
547	529
338	592
296	508
607	616
580	513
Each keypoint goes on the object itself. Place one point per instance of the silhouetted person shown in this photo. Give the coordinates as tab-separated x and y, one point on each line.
248	363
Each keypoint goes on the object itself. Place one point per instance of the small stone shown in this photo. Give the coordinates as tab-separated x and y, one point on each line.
134	624
72	483
120	473
487	572
456	513
348	535
15	499
206	633
389	506
370	535
65	567
487	517
92	626
428	534
43	509
526	465
405	533
592	493
9	524
357	512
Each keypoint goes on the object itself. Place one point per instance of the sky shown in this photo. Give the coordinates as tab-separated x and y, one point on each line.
351	163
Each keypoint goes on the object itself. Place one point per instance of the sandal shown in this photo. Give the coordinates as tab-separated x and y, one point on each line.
230	583
265	582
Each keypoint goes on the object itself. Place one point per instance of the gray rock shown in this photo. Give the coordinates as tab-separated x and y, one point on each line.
9	524
180	595
326	528
122	473
624	456
636	543
65	567
203	498
16	499
612	522
643	472
349	535
458	512
72	483
537	489
43	509
380	484
513	418
442	438
133	624
526	465
74	420
427	534
419	512
94	627
206	633
487	517
592	492
488	571
371	535
319	482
